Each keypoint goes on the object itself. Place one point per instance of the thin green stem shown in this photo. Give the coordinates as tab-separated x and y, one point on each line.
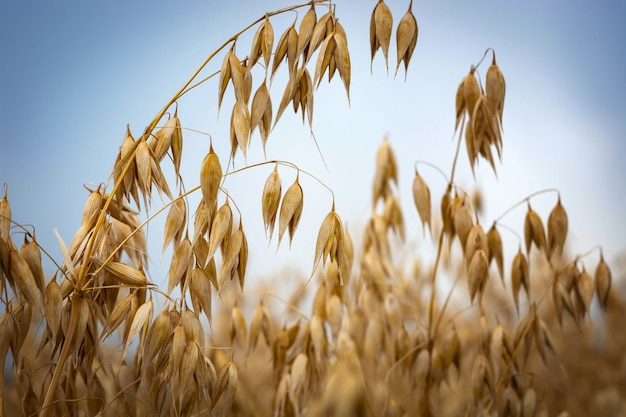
443	174
526	200
284	163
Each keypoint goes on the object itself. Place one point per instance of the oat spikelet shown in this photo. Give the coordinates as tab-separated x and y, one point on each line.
260	324
231	388
261	113
494	242
476	239
290	210
238	327
32	255
286	47
520	277
471	92
446	215
406	39
5	216
143	161
210	178
225	76
53	307
270	200
323	29
386	172
421	198
221	228
557	229
477	274
534	231
175	222
481	377
242	261
381	25
462	222
603	282
140	323
562	301
330	241
180	265
324	58
25	280
231	256
307	25
262	43
342	59
240	126
200	291
238	76
126	274
585	287
495	89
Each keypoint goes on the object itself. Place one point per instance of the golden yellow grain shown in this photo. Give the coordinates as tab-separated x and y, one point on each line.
261	112
603	282
210	178
262	43
221	228
406	39
495	88
286	47
520	277
557	229
126	274
175	223
290	210
53	307
5	216
534	231
381	24
585	288
463	222
477	274
494	243
200	291
481	377
307	25
240	126
25	280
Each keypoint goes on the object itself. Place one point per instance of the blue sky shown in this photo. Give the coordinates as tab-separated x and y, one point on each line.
73	74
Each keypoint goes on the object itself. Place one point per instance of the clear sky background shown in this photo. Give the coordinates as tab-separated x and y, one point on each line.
74	73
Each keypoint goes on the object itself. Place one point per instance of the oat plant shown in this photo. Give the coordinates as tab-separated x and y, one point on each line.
369	332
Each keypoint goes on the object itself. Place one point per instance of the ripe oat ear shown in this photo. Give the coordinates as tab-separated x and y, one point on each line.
477	274
210	179
307	25
494	242
330	241
290	210
270	201
557	229
603	282
421	198
406	39
5	215
381	25
495	89
534	233
262	43
520	277
261	112
286	48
